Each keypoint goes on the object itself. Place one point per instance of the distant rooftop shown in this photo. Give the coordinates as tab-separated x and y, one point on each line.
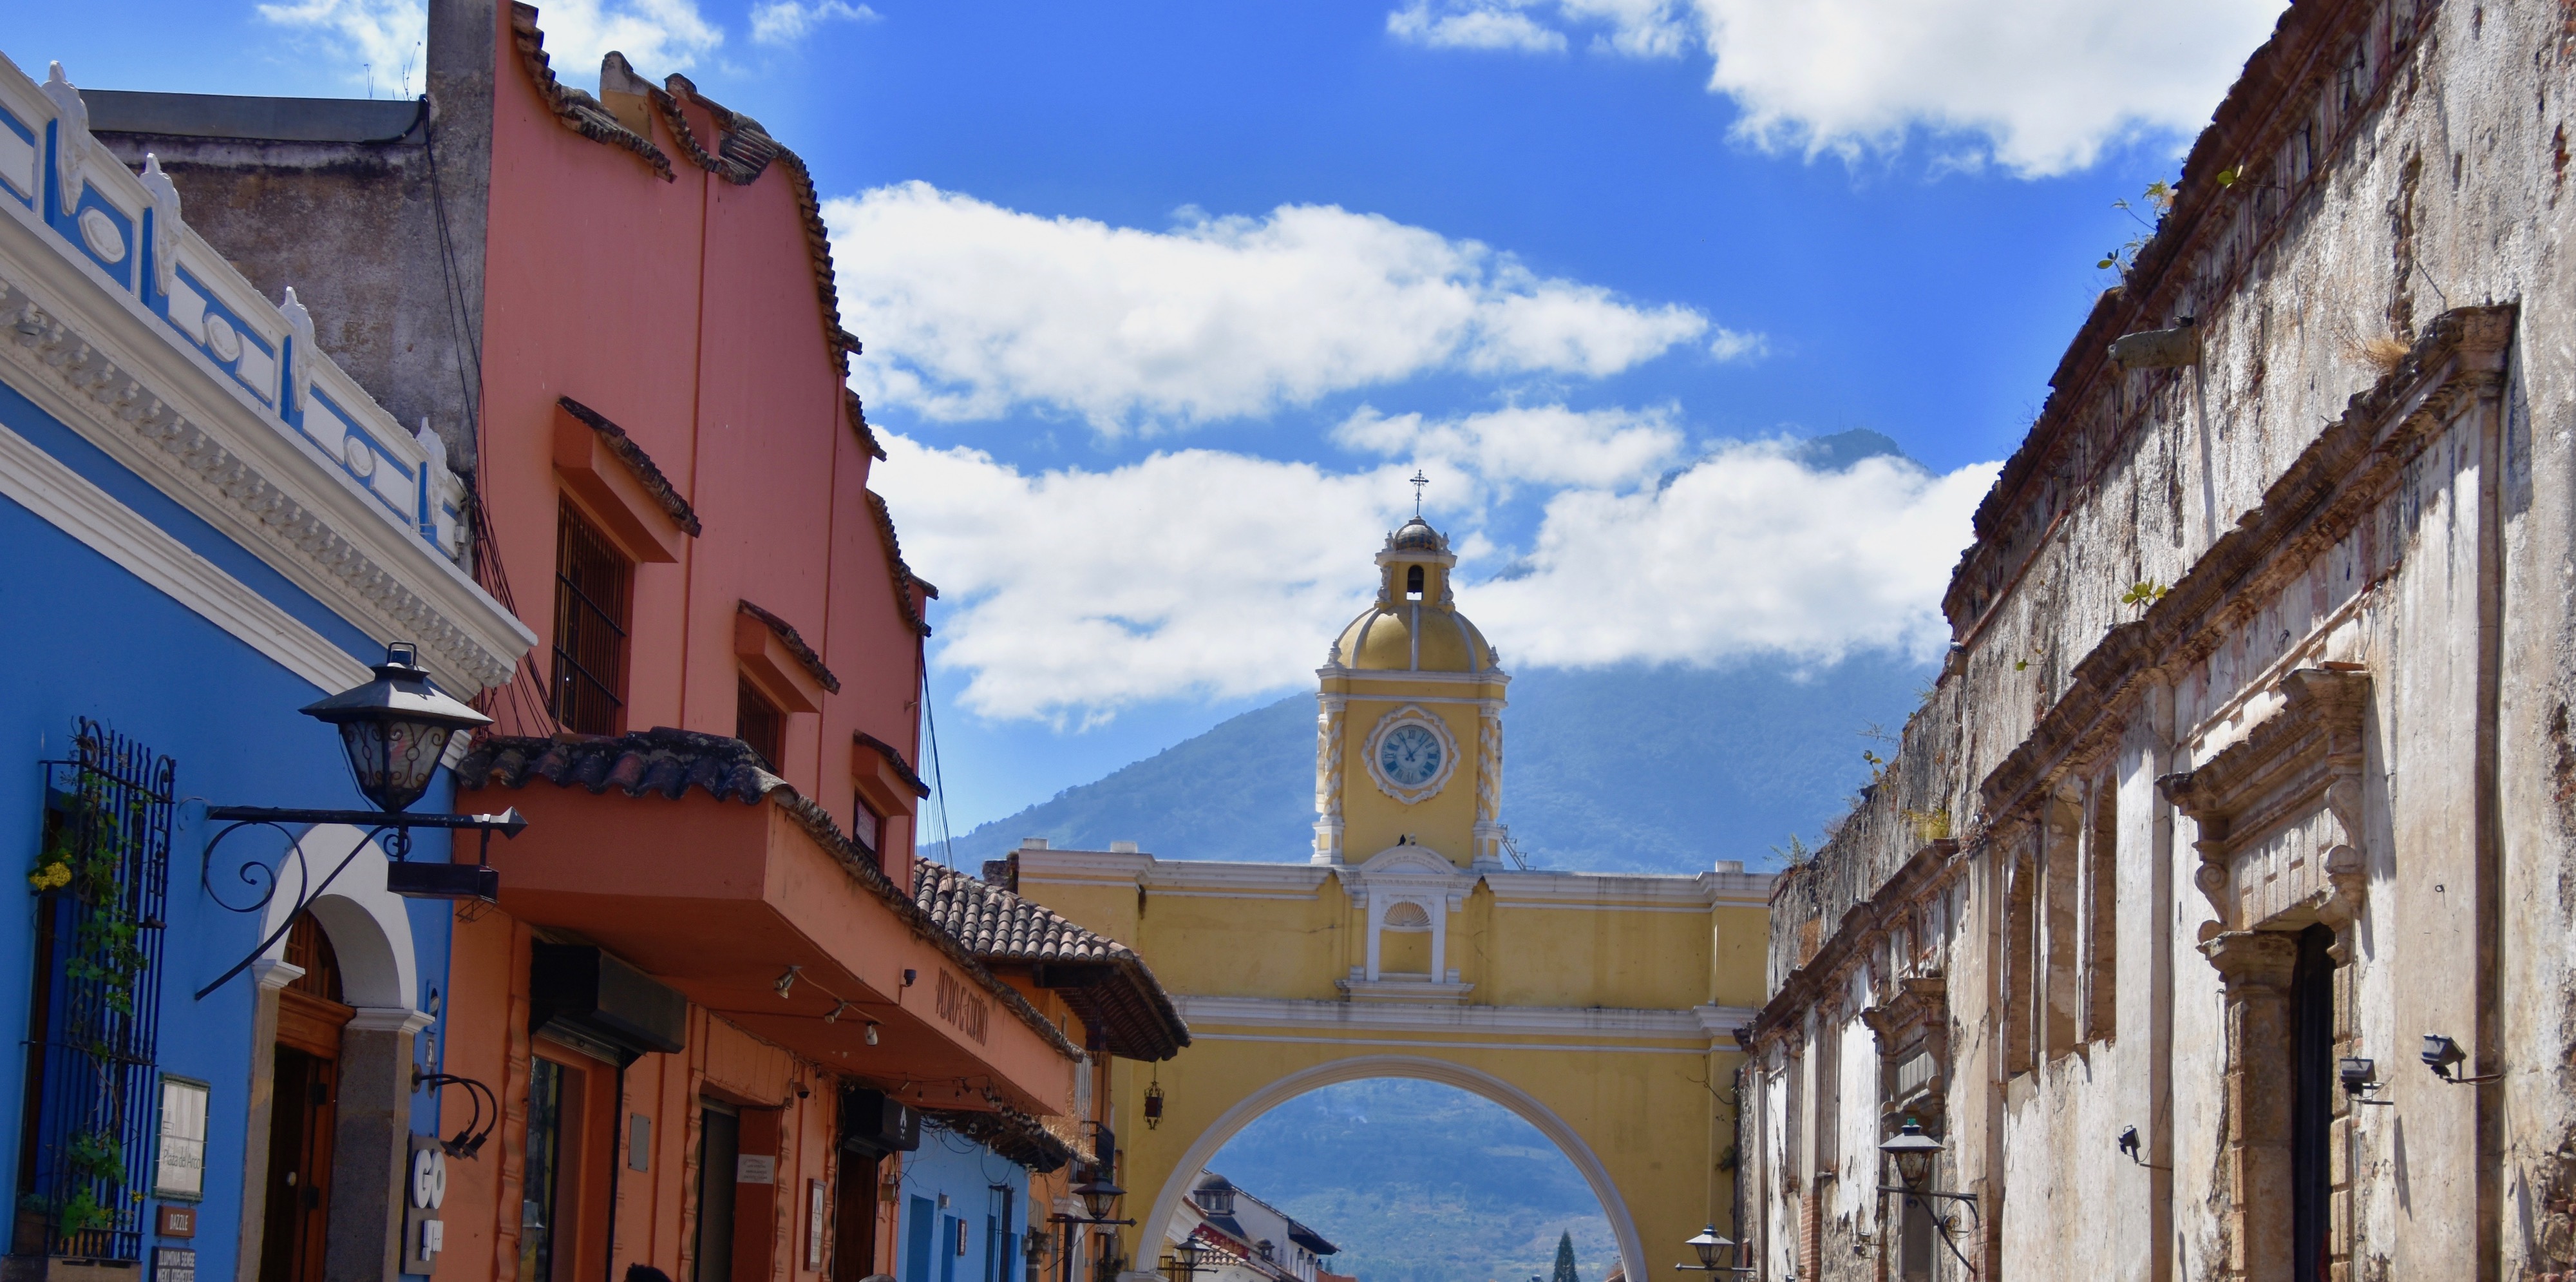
208	115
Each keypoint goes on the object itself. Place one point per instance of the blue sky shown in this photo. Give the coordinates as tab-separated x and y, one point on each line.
1162	301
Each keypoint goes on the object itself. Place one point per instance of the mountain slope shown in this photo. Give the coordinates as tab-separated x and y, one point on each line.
1628	768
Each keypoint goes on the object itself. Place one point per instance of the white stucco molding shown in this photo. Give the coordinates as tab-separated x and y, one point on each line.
343	523
369	926
1591	1024
1527	1107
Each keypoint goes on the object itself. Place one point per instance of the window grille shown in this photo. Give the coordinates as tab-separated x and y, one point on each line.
758	722
92	1081
592	585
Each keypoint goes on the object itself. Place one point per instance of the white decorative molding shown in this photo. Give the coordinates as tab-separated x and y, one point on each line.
390	1019
68	501
146	374
1698	1023
271	974
1411	714
1407	676
1418	1043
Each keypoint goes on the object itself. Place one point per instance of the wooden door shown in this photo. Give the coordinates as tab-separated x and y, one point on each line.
303	1111
854	1218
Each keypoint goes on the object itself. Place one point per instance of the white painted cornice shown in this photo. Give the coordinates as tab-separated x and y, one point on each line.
87	334
1590	1024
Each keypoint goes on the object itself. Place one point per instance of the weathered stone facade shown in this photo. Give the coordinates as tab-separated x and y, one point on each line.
2252	756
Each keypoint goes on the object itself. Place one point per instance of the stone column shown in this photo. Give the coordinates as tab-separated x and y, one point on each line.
1330	719
2255	967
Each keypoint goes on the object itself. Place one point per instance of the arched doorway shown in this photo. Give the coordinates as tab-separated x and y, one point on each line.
332	1047
1202	1150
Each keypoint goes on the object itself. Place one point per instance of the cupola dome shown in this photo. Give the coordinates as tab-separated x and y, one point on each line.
1414	625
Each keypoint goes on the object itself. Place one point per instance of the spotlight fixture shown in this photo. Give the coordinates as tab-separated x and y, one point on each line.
2441	1053
787	981
872	1034
2129	1144
2360	1078
838	1006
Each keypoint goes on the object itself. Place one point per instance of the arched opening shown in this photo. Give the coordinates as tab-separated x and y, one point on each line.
1413	580
1613	1241
333	1040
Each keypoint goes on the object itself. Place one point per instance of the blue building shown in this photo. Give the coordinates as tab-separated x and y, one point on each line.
965	1205
204	526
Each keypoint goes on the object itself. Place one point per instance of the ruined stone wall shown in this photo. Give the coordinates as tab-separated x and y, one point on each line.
2321	568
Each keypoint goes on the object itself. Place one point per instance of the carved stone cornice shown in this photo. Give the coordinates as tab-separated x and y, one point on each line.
1814	982
2302	763
2318	499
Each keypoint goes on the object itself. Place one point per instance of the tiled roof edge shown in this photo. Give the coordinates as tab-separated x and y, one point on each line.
637	462
795	643
859	424
578	111
904	581
747	151
515	761
902	768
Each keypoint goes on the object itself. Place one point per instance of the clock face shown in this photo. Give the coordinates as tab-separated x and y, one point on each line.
1409	756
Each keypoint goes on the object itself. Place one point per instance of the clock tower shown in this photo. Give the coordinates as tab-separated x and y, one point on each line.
1409	728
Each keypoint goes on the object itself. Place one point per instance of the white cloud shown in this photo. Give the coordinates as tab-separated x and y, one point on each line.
658	36
785	21
970	310
2047	83
381	39
1071	594
1746	552
1482	27
1546	443
2037	86
1728	346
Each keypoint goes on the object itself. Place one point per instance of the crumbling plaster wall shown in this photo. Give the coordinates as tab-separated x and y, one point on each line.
2395	161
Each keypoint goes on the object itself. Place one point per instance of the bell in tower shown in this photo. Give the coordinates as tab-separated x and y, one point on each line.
1409	734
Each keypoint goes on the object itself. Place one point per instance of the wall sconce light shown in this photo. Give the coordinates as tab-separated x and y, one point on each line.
786	981
2360	1078
2440	1053
2131	1146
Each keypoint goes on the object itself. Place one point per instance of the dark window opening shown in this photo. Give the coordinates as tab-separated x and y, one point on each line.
592	585
867	827
758	722
1413	580
2312	1086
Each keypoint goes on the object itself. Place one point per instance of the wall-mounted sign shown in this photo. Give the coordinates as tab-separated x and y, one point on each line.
959	1004
424	1237
174	1264
180	1170
174	1221
755	1168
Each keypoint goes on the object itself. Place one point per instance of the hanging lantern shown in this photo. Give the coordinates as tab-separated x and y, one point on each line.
1154	1103
395	728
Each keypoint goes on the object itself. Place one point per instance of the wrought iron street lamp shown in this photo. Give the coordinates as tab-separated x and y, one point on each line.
1709	1245
395	730
1100	1196
1915	1154
1186	1260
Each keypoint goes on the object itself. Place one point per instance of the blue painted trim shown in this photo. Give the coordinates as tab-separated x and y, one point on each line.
28	136
121	270
148	501
249	337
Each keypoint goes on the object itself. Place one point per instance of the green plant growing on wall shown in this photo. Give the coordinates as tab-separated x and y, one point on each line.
1928	825
2144	593
2159	197
82	854
1794	855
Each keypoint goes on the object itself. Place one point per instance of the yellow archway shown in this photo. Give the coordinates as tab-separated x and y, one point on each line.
1601	1008
1529	1108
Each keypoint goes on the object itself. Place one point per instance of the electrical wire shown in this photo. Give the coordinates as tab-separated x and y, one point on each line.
947	842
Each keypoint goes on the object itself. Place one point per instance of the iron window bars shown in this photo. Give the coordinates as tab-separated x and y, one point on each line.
102	875
592	586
